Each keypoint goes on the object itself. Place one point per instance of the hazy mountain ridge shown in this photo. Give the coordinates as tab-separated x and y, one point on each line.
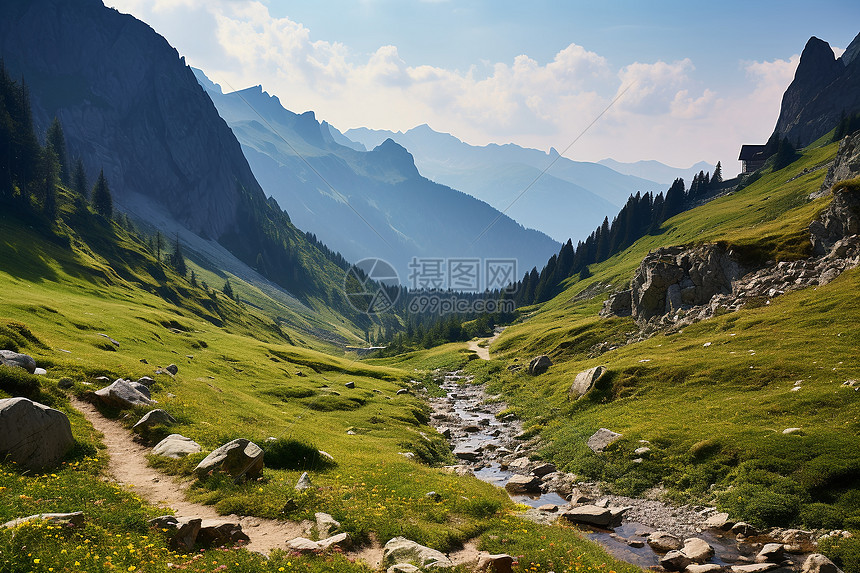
656	171
366	203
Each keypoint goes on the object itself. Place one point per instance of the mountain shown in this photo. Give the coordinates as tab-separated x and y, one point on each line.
579	194
824	90
656	171
366	203
129	105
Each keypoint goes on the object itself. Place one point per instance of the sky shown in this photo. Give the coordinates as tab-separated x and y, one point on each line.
675	81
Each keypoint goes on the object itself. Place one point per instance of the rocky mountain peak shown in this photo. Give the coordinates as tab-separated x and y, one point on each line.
393	155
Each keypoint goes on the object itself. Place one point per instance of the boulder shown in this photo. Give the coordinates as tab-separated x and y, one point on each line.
675	561
753	568
846	165
698	550
176	446
771	553
214	533
663	541
183	531
618	304
304	482
153	418
704	568
146	381
519	484
75	519
602	439
341	541
402	550
121	394
326	524
719	521
818	563
584	382
499	563
350	384
40	372
744	528
542	470
173	369
33	435
14	359
239	458
539	365
142	388
588	515
302	545
468	455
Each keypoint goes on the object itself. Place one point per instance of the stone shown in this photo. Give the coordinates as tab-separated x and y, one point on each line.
121	394
753	568
341	541
703	568
402	391
719	521
468	455
326	524
14	359
642	451
797	431
304	482
539	365
744	528
618	304
302	545
635	543
40	372
214	533
173	369
548	508
771	553
146	381
499	563
142	388
675	561
433	496
402	550
184	530
239	458
33	435
75	518
846	165
602	439
584	381
698	550
663	541
65	383
519	484
818	563
403	568
840	219
176	446
350	384
588	515
152	418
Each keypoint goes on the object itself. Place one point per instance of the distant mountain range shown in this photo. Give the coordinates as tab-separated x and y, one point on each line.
656	171
569	200
366	203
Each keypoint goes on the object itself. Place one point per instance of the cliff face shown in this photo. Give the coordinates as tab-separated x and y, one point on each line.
127	104
824	88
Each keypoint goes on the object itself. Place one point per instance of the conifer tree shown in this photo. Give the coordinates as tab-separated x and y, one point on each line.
49	171
717	177
79	179
159	244
178	259
228	289
101	197
57	140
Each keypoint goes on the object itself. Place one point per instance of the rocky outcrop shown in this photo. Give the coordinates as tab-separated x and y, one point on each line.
186	532
121	394
33	435
240	458
823	88
499	563
846	165
818	563
402	550
73	519
840	219
14	359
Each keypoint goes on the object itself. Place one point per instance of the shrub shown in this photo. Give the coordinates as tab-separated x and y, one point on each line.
760	505
845	552
289	454
18	382
821	516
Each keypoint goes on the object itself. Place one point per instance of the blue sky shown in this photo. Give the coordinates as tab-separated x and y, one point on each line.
701	78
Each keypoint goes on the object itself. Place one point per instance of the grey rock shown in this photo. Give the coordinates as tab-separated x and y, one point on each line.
304	482
14	359
402	550
753	568
176	446
539	365
846	165
350	384
663	541
840	219
183	530
239	458
75	518
142	388
40	371
675	561
818	563
602	439
771	553
146	381
121	394
618	304
33	435
302	545
698	550
519	484
744	528
588	515
468	455
584	382
703	568
719	521
498	563
216	532
173	369
326	524
152	418
542	470
341	541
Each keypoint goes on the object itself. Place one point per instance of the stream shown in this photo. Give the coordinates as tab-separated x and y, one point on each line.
489	448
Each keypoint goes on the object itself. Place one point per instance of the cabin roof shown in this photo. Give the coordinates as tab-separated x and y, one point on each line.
749	152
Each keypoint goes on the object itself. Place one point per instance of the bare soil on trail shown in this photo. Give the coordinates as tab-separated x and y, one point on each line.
483	352
128	467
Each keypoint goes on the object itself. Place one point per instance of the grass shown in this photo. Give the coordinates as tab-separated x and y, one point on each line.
713	415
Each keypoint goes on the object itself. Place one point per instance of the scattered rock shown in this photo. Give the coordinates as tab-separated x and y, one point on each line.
818	563
142	388
40	371
588	515
350	384
341	541
402	391
642	451
176	446
121	394
698	550
173	369
14	359
146	381
744	528
539	365
239	458
719	521
65	383
468	455
326	524
602	439
75	519
302	545
500	563
771	553
704	568
675	561
433	496
797	431
33	435
152	418
304	482
403	568
402	550
519	484
111	340
214	533
548	507
635	543
663	541
753	568
184	530
584	382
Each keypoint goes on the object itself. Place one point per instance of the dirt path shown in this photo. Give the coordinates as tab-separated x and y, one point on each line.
483	352
128	467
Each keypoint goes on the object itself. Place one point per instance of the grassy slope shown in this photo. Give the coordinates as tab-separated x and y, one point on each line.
712	414
238	377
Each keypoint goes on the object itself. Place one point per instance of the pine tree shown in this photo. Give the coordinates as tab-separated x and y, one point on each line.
101	197
228	290
49	171
159	245
717	178
177	259
193	279
57	140
79	179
